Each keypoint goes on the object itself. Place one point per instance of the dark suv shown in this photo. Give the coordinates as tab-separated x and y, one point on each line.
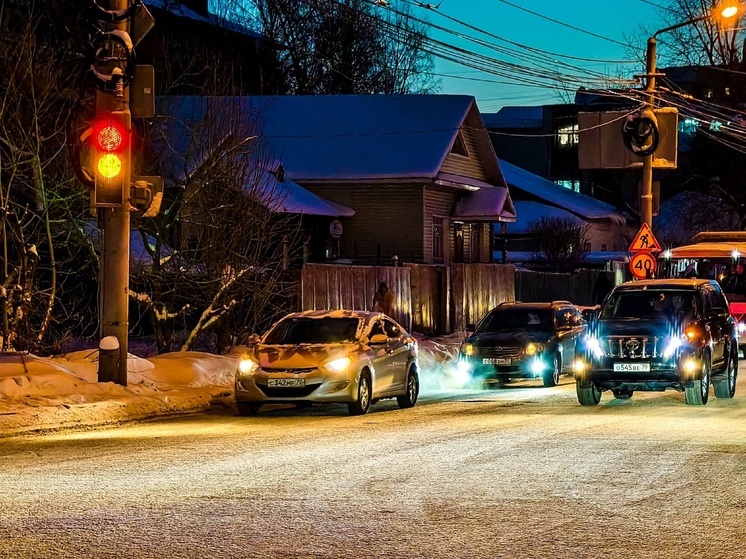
660	334
523	340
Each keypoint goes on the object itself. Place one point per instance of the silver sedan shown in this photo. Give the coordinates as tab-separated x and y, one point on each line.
352	357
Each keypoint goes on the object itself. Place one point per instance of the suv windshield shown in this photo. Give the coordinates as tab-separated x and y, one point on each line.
538	320
651	303
302	330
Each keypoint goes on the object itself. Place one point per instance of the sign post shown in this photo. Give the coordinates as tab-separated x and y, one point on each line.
643	263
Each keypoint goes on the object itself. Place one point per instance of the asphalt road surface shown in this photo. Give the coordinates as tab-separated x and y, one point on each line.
516	472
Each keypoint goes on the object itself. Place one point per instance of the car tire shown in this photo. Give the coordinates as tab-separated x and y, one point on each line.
588	394
699	392
622	394
409	399
248	408
726	388
364	391
551	377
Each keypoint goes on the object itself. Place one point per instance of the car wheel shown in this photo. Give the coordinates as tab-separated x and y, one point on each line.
551	377
362	404
622	394
698	393
248	408
588	394
726	388
409	399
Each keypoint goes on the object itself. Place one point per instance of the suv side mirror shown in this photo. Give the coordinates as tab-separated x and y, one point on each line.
588	314
379	339
470	327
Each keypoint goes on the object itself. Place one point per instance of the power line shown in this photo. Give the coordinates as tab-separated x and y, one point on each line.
562	23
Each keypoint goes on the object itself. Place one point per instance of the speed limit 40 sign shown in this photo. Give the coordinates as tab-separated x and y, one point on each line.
643	265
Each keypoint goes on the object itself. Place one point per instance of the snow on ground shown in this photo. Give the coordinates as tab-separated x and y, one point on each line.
40	393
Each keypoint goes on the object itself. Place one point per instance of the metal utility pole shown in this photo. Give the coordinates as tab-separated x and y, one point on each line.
646	197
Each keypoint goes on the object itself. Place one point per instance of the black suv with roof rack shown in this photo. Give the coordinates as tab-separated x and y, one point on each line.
523	341
655	335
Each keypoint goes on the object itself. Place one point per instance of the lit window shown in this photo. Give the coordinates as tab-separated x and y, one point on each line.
727	91
708	93
567	136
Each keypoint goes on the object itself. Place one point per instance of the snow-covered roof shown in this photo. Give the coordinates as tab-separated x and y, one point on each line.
345	137
290	197
555	195
515	117
486	204
180	10
529	212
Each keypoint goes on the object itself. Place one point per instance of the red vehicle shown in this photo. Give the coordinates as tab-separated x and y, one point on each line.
718	255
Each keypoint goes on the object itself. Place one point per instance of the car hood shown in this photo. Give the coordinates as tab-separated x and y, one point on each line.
514	338
613	327
303	356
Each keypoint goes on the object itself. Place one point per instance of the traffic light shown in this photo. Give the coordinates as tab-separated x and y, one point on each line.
110	158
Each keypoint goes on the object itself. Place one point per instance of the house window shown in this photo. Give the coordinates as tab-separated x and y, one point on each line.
459	145
475	242
708	93
567	136
438	239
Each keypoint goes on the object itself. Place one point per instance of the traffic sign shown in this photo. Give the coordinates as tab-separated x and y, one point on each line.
645	241
643	265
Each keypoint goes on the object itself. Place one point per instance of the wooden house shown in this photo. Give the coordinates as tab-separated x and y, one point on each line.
419	171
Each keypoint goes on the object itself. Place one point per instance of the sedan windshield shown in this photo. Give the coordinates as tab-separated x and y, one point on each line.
303	330
661	304
538	320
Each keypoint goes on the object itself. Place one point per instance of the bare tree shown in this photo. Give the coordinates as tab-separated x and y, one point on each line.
41	206
343	46
220	254
561	242
711	41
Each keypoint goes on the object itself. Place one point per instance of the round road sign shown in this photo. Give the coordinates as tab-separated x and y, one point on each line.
643	265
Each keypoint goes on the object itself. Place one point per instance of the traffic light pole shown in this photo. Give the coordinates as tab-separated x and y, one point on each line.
646	196
115	221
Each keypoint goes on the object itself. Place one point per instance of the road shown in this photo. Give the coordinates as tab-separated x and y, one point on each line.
522	471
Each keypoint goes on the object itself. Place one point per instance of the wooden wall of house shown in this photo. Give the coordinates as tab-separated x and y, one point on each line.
389	216
472	166
438	202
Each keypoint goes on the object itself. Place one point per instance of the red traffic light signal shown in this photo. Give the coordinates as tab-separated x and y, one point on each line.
110	141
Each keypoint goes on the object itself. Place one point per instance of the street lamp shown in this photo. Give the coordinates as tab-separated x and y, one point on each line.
726	10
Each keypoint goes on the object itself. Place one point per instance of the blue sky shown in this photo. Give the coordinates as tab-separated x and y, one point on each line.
612	20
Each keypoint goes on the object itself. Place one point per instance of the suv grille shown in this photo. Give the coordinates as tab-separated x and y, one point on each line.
633	347
499	351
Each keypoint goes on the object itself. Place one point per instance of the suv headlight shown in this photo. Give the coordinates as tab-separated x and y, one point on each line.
594	345
671	346
468	350
533	349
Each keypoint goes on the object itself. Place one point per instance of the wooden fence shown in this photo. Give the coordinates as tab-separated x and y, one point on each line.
477	288
430	286
330	286
438	300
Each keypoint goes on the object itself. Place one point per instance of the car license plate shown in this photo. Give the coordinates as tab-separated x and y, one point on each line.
286	382
496	361
631	367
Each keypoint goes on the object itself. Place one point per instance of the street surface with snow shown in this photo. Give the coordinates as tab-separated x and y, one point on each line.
522	471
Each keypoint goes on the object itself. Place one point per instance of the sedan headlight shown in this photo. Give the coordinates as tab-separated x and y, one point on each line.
246	365
340	364
594	346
